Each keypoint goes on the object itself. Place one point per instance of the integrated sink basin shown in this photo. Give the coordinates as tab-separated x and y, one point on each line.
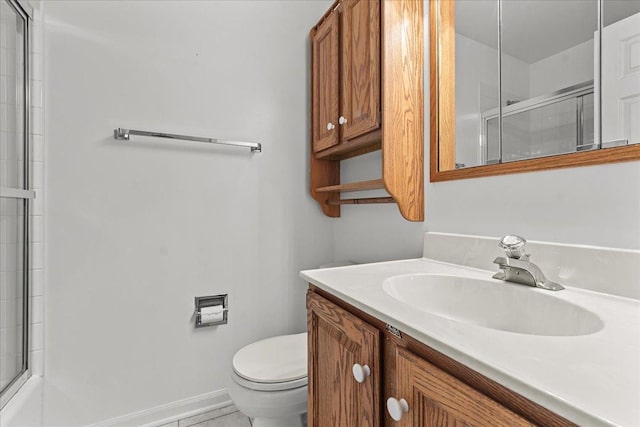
493	304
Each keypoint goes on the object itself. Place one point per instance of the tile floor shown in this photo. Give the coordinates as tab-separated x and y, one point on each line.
224	417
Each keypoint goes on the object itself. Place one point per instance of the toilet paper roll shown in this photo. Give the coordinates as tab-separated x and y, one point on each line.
211	314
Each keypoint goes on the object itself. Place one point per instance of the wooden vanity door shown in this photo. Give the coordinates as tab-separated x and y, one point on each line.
360	67
325	83
436	399
337	341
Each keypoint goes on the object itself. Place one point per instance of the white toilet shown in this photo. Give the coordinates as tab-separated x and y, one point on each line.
270	381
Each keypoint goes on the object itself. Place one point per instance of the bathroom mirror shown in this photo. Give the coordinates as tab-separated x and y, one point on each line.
522	85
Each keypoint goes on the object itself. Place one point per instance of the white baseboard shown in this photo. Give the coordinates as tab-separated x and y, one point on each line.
170	412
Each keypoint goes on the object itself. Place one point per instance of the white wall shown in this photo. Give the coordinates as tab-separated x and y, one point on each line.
597	205
564	69
137	229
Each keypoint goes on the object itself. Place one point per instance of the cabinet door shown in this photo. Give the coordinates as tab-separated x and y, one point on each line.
325	83
337	341
437	399
360	108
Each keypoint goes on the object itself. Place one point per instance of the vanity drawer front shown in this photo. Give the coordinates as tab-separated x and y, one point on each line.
344	367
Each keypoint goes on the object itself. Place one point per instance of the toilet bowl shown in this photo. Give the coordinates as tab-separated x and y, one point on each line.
270	381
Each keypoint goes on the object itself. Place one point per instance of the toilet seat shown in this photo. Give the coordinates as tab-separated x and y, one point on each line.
277	363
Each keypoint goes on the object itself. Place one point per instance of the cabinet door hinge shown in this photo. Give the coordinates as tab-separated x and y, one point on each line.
393	330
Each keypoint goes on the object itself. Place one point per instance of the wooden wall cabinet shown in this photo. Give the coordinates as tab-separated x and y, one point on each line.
360	107
367	95
346	74
325	82
437	390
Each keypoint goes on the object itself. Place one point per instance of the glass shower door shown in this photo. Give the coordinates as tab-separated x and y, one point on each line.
14	199
548	125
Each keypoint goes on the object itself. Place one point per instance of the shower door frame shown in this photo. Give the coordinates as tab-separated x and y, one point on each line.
23	10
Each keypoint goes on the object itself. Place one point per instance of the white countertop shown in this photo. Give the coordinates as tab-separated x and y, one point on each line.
589	379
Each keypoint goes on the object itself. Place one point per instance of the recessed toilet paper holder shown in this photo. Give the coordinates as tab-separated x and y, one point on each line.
211	301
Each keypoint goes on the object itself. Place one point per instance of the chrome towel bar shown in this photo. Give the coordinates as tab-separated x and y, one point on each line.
124	134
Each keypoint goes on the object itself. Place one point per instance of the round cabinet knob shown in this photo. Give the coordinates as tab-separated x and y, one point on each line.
397	408
342	120
330	126
360	373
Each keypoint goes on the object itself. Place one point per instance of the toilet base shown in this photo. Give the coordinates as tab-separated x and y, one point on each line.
280	408
292	421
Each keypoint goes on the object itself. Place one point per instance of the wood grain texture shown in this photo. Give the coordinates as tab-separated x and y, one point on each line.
389	385
583	158
374	184
325	173
360	96
442	115
516	403
434	112
402	105
438	399
378	39
322	172
325	83
337	340
443	18
357	146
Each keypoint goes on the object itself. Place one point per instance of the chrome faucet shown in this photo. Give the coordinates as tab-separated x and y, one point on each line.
517	268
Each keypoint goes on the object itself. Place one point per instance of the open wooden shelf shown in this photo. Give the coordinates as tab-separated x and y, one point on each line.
336	190
375	184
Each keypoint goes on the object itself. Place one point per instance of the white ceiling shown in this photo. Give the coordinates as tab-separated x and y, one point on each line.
535	29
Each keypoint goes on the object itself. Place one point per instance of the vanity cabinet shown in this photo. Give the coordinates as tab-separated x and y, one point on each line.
436	399
344	366
427	388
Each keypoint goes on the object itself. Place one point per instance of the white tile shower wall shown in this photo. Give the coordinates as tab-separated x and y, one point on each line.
135	230
596	205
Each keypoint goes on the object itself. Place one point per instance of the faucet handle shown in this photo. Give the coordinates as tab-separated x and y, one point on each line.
513	246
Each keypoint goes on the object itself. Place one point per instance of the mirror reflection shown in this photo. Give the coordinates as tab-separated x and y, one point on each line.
477	78
526	78
620	72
